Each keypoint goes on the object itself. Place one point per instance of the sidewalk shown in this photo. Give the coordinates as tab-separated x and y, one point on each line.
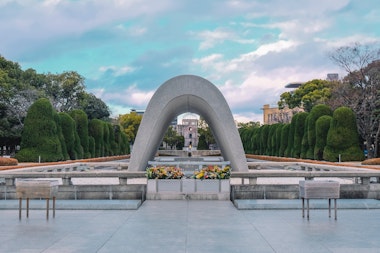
190	226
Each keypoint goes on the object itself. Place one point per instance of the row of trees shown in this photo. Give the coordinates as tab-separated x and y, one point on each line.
19	89
358	90
319	134
50	136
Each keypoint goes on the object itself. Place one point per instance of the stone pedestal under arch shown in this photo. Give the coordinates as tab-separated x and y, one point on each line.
187	93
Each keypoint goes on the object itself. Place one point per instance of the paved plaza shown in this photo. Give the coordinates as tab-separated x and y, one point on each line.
191	226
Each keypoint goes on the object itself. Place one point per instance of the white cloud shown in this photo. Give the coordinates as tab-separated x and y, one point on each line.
247	117
132	96
117	71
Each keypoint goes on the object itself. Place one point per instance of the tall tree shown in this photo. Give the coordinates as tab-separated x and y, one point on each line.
130	122
307	95
40	137
359	89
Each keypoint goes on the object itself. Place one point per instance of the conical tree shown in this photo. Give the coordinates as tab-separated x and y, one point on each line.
81	122
68	130
315	113
299	133
40	135
322	127
343	138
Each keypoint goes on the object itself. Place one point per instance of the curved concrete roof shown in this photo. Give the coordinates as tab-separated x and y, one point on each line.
187	93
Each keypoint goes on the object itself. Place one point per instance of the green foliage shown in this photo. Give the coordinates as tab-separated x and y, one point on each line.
95	130
81	123
342	137
307	95
290	146
305	142
300	122
278	139
284	139
106	139
315	113
322	127
61	137
40	135
91	146
172	138
68	130
271	143
263	139
130	123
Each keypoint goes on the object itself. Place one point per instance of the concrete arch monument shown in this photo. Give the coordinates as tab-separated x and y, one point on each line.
187	93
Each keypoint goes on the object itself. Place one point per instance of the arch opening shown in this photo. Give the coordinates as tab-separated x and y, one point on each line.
181	94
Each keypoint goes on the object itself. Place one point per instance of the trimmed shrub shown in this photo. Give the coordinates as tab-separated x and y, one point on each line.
61	137
278	139
91	146
40	135
68	130
315	113
322	126
271	143
299	133
305	143
264	139
81	123
95	129
284	139
343	138
289	148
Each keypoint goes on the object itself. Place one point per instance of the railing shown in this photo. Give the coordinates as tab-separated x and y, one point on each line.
361	176
66	177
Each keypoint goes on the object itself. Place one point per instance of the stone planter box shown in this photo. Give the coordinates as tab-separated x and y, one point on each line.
188	189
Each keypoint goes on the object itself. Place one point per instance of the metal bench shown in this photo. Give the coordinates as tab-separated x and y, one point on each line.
313	189
34	188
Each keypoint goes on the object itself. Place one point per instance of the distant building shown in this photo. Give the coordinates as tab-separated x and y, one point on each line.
189	130
332	77
138	112
273	115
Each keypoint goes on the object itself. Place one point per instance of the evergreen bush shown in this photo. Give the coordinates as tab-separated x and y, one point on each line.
316	112
81	123
322	126
343	138
284	139
40	135
299	133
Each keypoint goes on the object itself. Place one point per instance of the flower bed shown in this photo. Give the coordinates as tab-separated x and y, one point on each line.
163	172
213	172
211	182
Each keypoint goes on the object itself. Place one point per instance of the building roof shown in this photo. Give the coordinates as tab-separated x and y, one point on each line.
294	85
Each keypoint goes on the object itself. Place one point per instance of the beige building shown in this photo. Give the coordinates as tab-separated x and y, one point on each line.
273	115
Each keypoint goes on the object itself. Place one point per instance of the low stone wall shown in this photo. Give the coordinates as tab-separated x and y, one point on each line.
137	191
347	191
185	153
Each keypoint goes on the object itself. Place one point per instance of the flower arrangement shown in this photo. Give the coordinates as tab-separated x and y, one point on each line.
213	172
163	172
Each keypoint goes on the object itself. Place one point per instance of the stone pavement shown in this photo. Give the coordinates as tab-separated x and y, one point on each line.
190	226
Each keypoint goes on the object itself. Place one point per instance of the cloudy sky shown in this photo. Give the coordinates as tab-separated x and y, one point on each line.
125	49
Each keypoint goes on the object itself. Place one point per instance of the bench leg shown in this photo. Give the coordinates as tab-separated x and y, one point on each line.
47	208
53	207
329	208
27	207
307	204
303	207
335	209
19	208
